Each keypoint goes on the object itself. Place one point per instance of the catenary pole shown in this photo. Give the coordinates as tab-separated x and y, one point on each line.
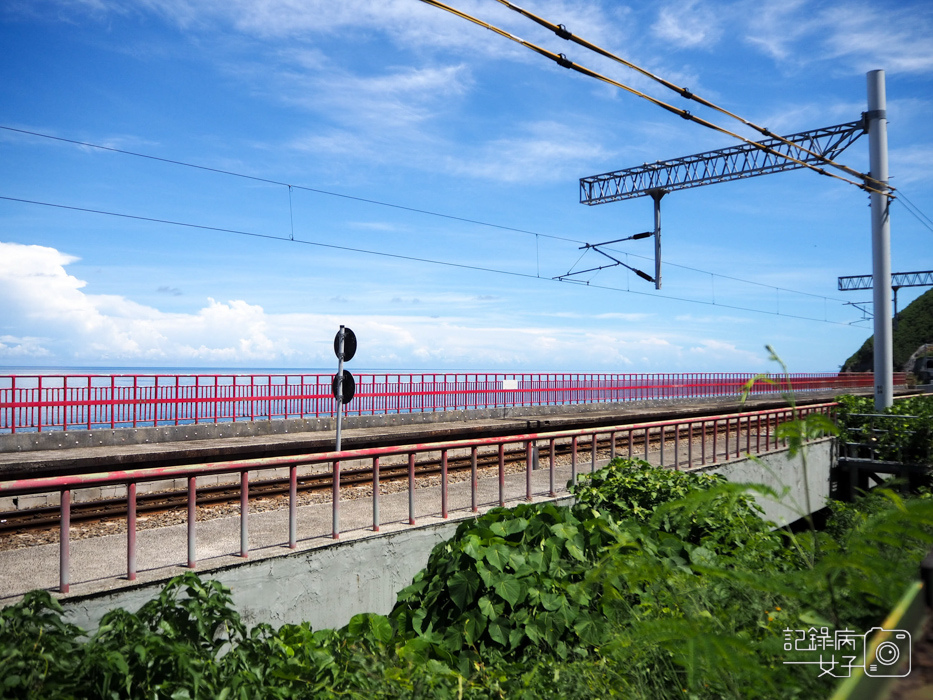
656	196
880	240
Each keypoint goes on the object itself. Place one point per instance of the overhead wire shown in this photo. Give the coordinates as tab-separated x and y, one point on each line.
561	31
915	211
563	61
255	178
280	183
397	256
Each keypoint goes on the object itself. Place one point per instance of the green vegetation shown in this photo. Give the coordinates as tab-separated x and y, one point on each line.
914	328
656	584
908	439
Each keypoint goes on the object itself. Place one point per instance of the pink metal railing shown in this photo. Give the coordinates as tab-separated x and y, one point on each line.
709	440
76	401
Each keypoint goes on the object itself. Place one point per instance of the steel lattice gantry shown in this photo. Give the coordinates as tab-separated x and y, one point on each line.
733	163
898	279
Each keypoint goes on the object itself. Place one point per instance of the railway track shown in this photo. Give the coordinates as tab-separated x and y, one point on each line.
32	519
114	509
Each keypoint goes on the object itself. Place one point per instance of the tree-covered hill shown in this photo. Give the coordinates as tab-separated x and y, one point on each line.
914	328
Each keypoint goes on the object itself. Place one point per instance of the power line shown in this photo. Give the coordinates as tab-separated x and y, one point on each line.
269	181
915	211
563	61
280	183
562	32
397	256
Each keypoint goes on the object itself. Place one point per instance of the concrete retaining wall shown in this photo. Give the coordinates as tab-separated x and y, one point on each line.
786	476
324	586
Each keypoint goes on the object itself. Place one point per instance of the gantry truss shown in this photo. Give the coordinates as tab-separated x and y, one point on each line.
733	163
898	279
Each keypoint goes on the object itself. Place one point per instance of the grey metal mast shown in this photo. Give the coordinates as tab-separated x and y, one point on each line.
880	239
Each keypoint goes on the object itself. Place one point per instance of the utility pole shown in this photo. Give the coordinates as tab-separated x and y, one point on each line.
880	240
656	196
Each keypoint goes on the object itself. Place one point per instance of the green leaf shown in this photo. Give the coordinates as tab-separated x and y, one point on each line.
487	608
499	630
564	531
472	547
463	587
381	628
497	555
574	550
511	590
553	601
534	630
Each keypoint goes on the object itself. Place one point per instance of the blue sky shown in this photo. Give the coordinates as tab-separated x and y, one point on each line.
404	104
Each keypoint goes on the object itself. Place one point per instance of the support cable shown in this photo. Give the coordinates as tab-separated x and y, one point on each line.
563	61
561	31
915	211
269	181
397	256
255	178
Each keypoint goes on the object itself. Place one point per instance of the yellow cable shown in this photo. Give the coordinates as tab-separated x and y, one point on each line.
562	60
562	32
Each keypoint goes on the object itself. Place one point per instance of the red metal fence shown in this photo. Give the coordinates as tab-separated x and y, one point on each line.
676	444
74	401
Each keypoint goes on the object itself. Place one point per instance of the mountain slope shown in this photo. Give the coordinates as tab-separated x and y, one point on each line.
914	328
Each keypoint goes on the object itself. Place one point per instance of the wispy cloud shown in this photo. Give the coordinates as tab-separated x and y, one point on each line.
911	165
869	37
860	35
688	24
540	151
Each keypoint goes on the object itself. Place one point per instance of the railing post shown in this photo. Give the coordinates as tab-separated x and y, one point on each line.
663	436
677	446
703	443
444	484
593	455
551	492
528	464
473	479
573	460
501	474
244	514
335	498
64	544
375	494
131	531
411	488
292	507
192	519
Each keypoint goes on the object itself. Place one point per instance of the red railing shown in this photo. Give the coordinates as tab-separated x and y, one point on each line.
42	402
676	444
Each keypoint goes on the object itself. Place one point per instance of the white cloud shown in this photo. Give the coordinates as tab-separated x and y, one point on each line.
861	36
897	40
688	24
911	165
726	351
541	151
49	317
